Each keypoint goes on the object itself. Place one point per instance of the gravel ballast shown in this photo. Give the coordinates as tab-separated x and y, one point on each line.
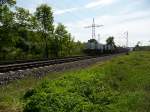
8	77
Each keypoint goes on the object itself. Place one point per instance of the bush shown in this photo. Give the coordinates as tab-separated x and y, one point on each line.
69	96
123	87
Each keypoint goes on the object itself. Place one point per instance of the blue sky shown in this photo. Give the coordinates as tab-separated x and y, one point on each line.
117	16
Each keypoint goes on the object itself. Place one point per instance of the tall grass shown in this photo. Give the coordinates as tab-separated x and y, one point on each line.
119	85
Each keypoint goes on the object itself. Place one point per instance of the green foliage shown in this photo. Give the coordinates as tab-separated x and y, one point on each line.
78	95
44	16
11	2
110	41
63	42
124	87
141	48
29	36
119	85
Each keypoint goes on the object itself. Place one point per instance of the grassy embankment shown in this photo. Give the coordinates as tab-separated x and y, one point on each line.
119	85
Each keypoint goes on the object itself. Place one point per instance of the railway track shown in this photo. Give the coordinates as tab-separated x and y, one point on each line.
35	64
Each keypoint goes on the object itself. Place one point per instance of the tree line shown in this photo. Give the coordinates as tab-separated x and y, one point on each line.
25	35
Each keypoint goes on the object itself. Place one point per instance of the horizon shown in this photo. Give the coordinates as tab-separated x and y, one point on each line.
117	17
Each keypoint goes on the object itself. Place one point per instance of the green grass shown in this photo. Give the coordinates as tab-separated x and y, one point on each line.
119	85
130	76
12	94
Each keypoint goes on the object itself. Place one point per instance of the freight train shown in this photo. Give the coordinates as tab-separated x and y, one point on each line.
93	47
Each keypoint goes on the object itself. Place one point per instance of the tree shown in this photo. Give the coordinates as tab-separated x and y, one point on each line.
22	17
62	43
60	35
6	29
44	16
69	44
137	46
92	40
78	48
23	35
110	41
110	44
8	2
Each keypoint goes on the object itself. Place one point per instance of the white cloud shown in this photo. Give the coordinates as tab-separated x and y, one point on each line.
59	12
98	3
137	23
32	6
90	5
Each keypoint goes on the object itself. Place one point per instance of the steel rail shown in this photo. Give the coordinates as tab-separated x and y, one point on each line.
32	60
36	64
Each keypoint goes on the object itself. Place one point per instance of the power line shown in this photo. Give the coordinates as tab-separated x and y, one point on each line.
94	26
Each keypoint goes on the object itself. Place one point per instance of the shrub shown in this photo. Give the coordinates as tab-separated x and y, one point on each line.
123	87
65	95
